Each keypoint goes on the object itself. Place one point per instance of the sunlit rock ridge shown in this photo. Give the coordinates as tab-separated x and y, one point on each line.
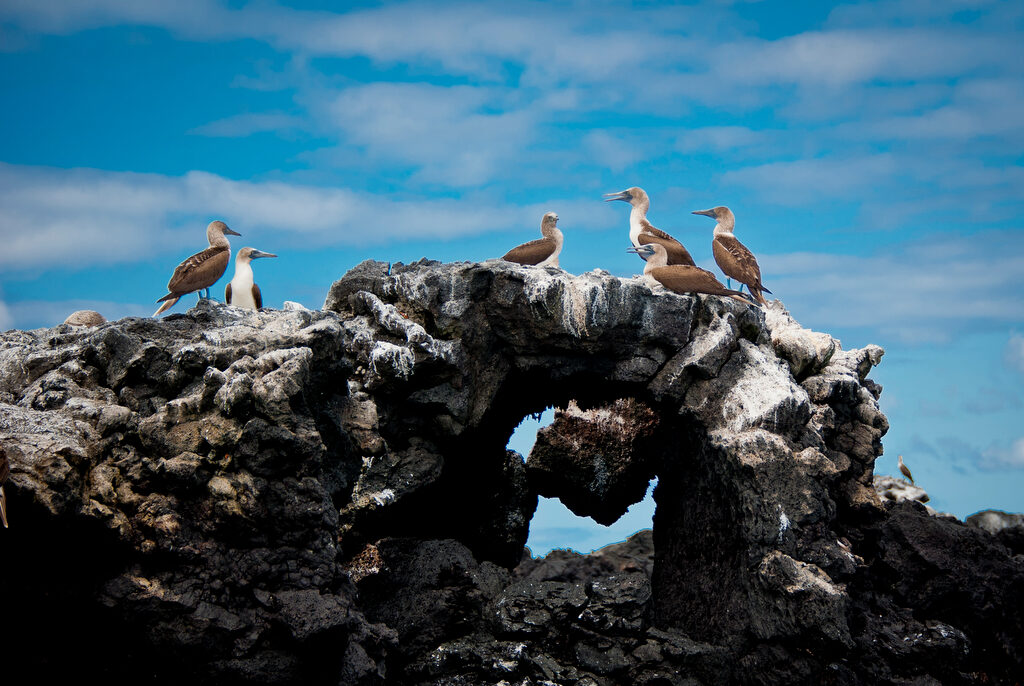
233	496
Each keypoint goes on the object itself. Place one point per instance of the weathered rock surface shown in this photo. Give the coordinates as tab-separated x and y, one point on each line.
325	496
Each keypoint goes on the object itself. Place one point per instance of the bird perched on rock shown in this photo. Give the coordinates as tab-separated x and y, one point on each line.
733	258
542	252
202	269
681	278
85	318
904	469
242	291
642	232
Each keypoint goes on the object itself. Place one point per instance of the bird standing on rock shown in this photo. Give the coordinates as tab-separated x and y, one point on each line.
202	270
642	232
242	290
542	252
733	258
904	469
681	278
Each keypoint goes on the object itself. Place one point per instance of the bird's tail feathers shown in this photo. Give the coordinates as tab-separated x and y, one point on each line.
167	305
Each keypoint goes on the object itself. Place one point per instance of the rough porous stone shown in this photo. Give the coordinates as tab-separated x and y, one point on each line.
296	496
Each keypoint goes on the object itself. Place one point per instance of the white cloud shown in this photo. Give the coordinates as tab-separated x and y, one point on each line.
246	124
801	181
918	292
456	136
997	457
54	217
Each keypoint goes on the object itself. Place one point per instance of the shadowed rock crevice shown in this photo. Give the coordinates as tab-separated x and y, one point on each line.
327	497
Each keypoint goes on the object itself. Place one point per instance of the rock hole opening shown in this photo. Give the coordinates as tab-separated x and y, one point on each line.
556	527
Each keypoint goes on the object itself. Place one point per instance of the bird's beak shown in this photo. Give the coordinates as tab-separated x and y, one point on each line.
706	213
621	195
640	250
259	253
231	231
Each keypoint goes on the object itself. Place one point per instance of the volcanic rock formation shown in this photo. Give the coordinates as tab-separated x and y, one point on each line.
326	496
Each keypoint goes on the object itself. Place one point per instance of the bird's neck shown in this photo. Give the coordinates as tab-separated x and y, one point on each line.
220	241
550	231
637	217
243	271
655	261
723	229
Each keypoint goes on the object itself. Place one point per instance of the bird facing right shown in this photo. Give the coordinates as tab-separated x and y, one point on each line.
202	270
242	290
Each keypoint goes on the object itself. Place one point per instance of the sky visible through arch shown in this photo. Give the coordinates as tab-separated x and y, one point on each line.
873	153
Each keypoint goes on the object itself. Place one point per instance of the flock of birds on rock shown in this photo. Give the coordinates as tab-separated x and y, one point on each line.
668	263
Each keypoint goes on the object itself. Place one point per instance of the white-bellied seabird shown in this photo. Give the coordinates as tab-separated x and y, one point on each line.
5	469
202	269
733	258
242	291
85	318
904	469
681	278
542	252
641	231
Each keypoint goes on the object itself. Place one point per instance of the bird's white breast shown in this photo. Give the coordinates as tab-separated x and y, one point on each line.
241	287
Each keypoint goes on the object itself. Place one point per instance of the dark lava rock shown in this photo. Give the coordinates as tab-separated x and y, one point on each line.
229	496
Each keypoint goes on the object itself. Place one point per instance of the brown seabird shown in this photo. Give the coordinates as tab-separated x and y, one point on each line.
733	258
641	231
681	278
202	269
905	469
542	252
242	291
85	318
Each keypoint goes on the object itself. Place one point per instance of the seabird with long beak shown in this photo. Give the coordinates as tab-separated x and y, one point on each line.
542	252
733	258
642	232
242	291
203	269
681	278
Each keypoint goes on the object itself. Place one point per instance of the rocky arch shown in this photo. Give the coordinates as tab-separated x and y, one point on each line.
325	495
741	428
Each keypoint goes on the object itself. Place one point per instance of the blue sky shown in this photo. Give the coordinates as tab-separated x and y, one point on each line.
873	154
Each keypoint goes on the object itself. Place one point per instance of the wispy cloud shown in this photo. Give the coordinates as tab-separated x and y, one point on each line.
918	292
246	124
1014	353
61	217
1011	457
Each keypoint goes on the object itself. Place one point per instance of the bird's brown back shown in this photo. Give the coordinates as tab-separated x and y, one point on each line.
531	253
201	270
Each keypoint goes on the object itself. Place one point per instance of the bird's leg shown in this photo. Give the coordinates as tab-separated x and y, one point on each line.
728	283
200	294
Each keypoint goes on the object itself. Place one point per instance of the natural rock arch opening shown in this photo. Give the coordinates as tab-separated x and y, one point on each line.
730	427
